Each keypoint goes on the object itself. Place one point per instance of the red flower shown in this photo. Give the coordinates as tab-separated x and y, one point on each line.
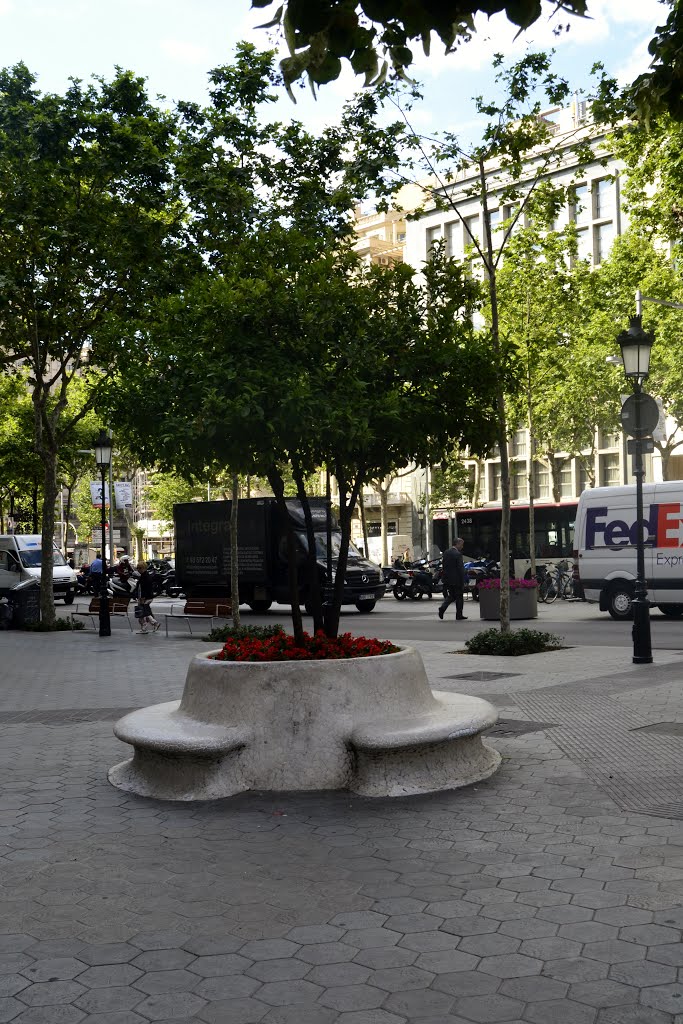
281	647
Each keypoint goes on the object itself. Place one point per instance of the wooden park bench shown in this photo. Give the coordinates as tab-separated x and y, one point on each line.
200	610
118	608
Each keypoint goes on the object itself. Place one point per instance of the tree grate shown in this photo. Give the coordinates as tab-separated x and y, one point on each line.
518	727
482	677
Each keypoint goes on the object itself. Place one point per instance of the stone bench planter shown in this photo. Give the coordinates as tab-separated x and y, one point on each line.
370	725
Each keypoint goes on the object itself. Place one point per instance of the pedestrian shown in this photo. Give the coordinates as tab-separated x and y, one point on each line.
96	573
454	579
144	593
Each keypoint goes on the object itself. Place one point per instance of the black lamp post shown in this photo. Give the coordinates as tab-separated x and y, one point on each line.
636	345
103	460
421	520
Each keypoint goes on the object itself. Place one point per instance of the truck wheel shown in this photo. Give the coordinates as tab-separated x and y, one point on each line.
260	606
365	606
674	611
69	598
620	601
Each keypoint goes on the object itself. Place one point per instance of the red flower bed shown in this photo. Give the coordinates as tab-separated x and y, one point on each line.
281	647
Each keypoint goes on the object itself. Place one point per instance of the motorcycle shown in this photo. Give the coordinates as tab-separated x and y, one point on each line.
419	579
478	570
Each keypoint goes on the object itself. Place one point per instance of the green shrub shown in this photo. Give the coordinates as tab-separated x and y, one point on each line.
513	643
59	625
223	633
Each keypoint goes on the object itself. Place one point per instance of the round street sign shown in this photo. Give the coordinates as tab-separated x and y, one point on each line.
642	410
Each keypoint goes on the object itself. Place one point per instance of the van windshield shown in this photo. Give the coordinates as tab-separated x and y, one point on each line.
31	558
321	545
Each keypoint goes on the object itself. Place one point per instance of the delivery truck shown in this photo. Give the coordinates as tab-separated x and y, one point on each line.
202	553
605	538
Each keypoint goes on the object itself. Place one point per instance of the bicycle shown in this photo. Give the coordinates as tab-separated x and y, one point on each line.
558	582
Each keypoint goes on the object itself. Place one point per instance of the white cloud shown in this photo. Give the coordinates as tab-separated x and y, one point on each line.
637	63
5	7
498	35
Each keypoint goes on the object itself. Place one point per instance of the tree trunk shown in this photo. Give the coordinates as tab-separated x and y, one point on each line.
530	477
67	512
234	552
346	510
476	489
384	520
364	526
556	472
47	601
277	484
34	503
315	599
502	414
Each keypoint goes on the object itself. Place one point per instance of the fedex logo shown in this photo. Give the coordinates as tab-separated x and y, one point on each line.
662	528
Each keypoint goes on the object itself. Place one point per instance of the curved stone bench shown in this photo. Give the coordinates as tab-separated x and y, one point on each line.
389	749
371	725
176	755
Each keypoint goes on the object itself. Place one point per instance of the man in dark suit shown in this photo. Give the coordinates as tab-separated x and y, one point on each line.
454	579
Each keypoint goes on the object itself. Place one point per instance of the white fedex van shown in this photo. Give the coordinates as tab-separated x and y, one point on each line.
20	560
605	546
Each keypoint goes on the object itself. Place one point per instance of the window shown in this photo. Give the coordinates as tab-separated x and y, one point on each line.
453	237
375	529
585	244
401	236
433	235
582	204
609	470
584	482
604	237
542	480
518	480
496	219
470	230
519	443
566	489
611	439
495	488
604	197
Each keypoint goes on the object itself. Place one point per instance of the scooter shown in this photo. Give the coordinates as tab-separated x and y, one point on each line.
481	569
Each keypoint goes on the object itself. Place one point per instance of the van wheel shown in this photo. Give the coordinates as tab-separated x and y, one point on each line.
365	606
674	611
69	598
620	601
260	606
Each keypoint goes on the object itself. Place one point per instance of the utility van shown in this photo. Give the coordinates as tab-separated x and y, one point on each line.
202	549
21	556
605	538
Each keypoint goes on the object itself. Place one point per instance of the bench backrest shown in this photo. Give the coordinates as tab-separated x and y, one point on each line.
218	606
116	604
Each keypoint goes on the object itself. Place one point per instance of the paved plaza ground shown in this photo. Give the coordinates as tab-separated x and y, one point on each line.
551	894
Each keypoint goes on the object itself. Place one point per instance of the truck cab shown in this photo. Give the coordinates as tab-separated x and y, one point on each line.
21	557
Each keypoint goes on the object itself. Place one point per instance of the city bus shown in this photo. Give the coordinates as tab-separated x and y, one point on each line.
480	529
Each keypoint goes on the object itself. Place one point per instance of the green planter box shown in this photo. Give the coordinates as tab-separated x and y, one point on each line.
523	603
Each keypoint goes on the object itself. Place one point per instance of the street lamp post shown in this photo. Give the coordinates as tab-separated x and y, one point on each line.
103	460
636	345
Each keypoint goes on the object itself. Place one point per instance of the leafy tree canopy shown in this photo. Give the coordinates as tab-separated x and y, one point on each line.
373	35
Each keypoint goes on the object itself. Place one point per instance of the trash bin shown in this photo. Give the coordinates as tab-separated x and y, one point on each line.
24	603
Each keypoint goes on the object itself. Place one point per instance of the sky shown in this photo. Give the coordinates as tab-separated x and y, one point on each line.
174	43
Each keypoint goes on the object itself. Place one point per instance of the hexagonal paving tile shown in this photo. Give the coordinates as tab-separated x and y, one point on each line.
62	968
490	1008
668	998
48	993
605	992
109	974
511	966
